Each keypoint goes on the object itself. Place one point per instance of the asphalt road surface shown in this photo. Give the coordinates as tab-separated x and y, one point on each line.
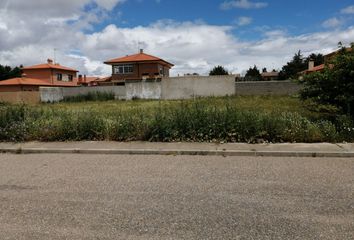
175	197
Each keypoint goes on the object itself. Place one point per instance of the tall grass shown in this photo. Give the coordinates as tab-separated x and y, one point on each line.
91	96
201	120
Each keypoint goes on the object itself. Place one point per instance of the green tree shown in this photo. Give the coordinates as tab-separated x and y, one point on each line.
317	58
7	72
334	86
292	68
218	70
253	74
298	64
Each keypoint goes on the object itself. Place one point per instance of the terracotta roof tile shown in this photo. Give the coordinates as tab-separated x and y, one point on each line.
318	68
91	79
270	74
104	79
49	66
88	79
24	81
35	82
315	69
140	57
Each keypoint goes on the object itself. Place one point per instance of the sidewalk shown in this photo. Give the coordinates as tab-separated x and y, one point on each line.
212	149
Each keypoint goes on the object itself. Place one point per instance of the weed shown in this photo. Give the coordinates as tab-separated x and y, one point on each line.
230	119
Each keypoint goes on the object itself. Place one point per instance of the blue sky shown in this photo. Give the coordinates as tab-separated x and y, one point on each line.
194	35
296	17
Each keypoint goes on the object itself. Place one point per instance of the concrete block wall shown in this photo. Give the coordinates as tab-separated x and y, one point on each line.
267	88
119	91
197	86
56	94
27	97
178	88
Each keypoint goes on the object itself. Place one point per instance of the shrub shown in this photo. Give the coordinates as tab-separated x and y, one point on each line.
335	85
200	120
345	128
12	122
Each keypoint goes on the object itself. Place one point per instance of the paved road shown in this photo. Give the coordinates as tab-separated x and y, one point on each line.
175	197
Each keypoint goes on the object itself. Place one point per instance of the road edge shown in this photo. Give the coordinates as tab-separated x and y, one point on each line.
175	152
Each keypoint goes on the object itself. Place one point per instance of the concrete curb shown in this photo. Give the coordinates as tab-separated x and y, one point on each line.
225	153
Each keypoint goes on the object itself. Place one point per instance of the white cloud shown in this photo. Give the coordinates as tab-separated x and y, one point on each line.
108	4
3	26
191	46
55	8
243	21
245	4
197	47
30	30
332	23
276	33
348	10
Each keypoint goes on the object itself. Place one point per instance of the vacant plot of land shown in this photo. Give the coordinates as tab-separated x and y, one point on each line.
183	197
228	119
261	103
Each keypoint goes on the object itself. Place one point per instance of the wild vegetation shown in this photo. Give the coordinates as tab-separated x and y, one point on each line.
323	113
334	87
298	64
218	70
7	72
253	74
91	96
229	119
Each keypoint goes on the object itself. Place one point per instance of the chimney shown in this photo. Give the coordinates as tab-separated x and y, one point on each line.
80	79
141	51
311	64
23	75
50	61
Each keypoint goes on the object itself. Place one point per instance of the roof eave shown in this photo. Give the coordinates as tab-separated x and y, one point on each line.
29	68
140	61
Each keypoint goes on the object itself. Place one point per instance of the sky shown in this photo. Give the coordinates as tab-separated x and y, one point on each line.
194	35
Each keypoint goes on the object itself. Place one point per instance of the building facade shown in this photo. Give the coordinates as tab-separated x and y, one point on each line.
52	73
270	76
41	75
138	67
25	89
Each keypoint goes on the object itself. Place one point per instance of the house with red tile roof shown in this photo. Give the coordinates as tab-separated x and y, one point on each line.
48	74
53	73
312	68
26	88
22	84
270	76
320	68
87	80
137	67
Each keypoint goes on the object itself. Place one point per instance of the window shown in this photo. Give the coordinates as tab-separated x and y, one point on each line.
123	69
65	77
